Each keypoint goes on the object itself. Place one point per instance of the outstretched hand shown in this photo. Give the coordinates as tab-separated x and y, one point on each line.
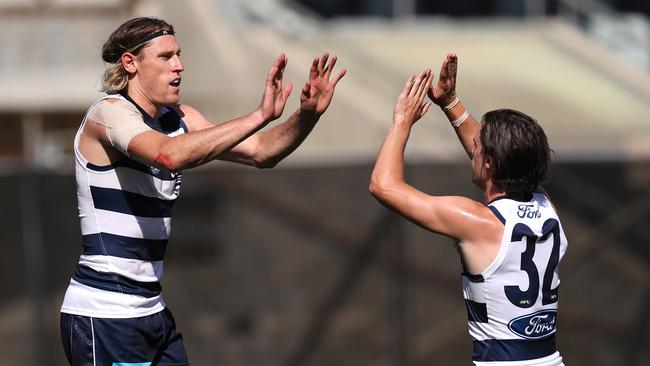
410	106
275	97
445	90
317	93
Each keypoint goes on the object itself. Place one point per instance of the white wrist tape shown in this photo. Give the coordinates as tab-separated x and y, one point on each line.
457	122
452	104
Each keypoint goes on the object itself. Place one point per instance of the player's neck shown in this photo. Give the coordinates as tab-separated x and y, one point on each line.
143	102
492	192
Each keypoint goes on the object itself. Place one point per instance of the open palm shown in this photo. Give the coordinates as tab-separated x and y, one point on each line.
275	96
317	93
410	106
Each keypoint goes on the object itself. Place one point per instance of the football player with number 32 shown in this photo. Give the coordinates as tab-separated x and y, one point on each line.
510	244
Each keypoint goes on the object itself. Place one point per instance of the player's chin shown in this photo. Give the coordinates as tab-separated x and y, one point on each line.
173	98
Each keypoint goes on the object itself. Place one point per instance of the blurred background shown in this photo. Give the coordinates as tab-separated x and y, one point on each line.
298	265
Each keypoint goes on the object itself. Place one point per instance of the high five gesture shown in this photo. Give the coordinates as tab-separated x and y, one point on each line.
275	97
319	89
410	106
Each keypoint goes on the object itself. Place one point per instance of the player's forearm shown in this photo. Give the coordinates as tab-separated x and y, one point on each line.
199	147
389	168
467	129
280	141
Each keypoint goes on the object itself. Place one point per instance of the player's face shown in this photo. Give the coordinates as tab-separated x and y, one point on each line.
479	172
159	71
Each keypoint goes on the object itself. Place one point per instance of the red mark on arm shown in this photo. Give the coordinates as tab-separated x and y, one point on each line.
163	160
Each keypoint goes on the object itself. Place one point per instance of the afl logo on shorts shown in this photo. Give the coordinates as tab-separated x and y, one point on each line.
534	326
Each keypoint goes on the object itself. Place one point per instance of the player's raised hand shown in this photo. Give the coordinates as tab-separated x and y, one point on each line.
275	97
410	106
444	91
318	91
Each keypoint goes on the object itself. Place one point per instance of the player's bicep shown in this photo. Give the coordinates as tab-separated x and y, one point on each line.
146	147
447	215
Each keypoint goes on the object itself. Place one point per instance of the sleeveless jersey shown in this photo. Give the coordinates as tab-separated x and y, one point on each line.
125	212
512	305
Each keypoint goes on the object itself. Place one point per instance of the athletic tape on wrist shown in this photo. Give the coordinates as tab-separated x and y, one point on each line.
457	122
452	104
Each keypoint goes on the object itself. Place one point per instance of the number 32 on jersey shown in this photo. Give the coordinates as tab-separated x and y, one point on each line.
527	298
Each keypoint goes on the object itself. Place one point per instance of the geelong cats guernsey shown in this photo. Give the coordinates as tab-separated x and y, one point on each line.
512	306
125	212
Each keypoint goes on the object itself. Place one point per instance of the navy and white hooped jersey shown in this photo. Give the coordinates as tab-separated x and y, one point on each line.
125	212
512	305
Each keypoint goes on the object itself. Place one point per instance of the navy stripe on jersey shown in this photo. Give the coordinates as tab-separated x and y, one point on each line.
124	247
128	163
115	283
497	214
476	311
513	349
130	203
100	168
161	174
472	277
170	121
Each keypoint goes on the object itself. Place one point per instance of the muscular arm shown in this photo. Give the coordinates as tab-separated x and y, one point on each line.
194	148
207	141
444	93
467	130
267	148
444	215
466	220
262	149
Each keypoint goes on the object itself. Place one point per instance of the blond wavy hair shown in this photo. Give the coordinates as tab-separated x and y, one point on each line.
116	79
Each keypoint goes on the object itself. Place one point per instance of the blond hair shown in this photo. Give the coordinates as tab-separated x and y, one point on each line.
126	39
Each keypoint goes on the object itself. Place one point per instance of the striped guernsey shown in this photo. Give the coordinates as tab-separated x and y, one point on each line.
125	211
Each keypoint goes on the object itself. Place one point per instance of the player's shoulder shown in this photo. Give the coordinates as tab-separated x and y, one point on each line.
192	117
114	112
112	105
185	110
469	204
473	214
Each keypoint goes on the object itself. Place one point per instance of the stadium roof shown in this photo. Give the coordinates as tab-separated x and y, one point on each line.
593	106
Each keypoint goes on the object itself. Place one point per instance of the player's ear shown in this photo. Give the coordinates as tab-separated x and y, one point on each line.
487	163
128	62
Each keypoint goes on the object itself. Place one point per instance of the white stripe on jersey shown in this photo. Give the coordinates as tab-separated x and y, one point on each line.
552	360
156	228
89	301
142	271
130	180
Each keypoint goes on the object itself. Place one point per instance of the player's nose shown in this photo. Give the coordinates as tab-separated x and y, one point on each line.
177	65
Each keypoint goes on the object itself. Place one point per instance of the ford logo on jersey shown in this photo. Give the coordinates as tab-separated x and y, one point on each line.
534	326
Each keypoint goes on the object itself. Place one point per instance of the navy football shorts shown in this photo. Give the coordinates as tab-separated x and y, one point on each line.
146	341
